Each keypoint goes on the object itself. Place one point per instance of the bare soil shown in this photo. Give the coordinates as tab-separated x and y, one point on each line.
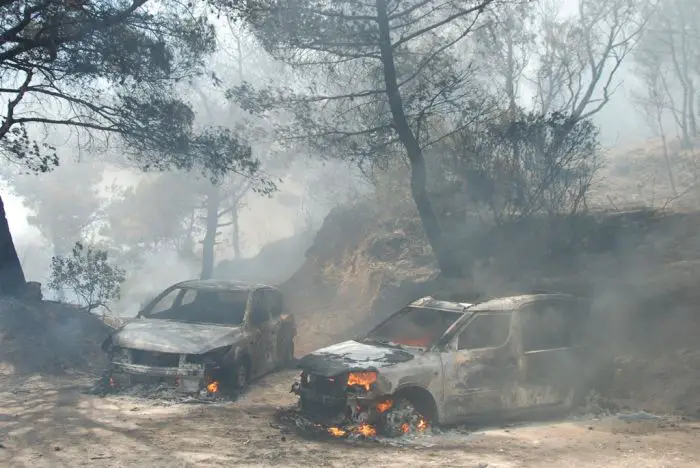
53	422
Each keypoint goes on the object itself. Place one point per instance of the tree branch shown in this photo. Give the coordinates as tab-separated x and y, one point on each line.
9	119
478	8
88	27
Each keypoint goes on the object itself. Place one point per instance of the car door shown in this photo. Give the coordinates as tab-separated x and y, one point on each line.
278	333
548	366
260	334
480	366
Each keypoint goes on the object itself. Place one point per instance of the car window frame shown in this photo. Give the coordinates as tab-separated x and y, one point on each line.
148	310
275	298
458	333
438	343
254	299
568	320
182	296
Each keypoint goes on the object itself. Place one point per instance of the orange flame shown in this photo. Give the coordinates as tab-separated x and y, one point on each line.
213	386
362	379
367	430
421	426
364	429
384	406
336	432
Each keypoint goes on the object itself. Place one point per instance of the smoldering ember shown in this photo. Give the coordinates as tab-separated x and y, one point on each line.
393	233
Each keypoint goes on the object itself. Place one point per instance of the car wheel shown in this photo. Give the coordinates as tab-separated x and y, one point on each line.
402	418
241	372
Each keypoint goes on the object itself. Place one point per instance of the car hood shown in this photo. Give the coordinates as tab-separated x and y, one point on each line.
167	336
353	356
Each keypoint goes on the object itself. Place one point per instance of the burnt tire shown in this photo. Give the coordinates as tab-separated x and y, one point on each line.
401	419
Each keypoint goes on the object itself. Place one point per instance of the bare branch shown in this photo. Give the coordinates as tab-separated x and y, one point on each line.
475	9
9	119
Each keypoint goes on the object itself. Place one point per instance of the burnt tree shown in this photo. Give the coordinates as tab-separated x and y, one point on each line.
12	279
669	49
211	230
389	80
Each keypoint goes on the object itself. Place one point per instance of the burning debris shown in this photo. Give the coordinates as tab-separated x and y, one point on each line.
362	431
362	379
213	387
402	420
161	391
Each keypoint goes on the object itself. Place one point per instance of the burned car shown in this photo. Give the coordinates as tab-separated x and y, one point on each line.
199	335
437	362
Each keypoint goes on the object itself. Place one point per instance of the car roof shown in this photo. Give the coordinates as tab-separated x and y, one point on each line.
510	303
430	302
222	285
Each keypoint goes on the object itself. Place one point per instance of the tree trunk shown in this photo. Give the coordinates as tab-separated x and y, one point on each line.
685	127
209	241
57	252
447	263
692	121
12	280
236	234
667	159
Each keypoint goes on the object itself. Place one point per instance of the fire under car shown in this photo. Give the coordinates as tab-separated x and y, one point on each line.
438	363
199	335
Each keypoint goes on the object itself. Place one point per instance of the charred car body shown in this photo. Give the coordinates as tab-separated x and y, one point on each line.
199	334
439	362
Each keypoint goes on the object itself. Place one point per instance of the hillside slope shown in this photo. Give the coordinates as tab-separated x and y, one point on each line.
641	268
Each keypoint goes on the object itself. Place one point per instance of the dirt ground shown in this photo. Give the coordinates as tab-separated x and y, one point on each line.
54	422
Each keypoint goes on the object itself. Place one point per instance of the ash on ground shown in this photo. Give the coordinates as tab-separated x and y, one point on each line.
292	419
159	393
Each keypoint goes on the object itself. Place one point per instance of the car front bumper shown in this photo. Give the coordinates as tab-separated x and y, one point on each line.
343	408
190	378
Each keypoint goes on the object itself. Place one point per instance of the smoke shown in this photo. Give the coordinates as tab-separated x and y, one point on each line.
158	271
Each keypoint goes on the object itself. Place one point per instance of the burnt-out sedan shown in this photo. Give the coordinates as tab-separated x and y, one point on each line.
200	335
438	362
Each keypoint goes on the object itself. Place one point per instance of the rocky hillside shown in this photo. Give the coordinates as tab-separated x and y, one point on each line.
275	263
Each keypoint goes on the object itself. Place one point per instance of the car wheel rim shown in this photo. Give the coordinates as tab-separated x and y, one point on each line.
402	418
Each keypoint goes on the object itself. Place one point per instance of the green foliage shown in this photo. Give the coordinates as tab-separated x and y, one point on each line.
65	204
530	164
89	275
336	47
158	211
110	67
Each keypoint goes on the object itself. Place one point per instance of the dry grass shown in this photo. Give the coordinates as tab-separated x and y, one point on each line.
639	177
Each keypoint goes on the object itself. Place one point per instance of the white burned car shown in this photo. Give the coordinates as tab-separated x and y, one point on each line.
201	334
439	362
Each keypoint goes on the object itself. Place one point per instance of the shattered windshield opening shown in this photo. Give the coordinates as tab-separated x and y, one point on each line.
414	326
201	306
